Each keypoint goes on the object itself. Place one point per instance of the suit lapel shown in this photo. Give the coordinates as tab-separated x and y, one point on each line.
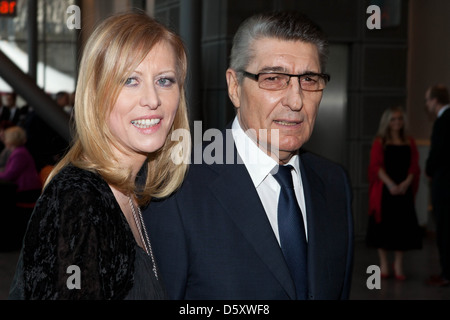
318	225
234	189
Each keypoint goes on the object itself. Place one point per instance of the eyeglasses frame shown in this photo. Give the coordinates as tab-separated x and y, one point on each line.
326	77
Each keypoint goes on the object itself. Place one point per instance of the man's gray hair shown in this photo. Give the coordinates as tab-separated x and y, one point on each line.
289	26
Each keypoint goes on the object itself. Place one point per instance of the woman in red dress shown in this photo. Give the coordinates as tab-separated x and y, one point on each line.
394	174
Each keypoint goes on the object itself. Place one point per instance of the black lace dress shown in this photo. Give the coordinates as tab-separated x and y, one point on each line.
399	228
78	222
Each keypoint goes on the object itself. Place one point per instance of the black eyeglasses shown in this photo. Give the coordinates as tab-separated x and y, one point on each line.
279	81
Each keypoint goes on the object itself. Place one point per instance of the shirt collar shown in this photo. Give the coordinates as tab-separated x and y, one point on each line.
259	165
442	110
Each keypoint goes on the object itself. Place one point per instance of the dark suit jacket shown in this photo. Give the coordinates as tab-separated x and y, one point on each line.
213	240
19	115
438	161
4	113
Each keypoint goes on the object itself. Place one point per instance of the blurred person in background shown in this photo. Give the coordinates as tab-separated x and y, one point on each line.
4	152
17	115
20	168
394	175
45	144
438	170
4	111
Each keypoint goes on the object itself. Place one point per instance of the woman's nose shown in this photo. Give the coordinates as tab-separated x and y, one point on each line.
150	98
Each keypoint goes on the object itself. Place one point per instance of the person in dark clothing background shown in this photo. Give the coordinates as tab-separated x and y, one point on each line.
438	170
45	144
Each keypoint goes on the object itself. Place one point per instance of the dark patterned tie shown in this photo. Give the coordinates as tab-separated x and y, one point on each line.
292	231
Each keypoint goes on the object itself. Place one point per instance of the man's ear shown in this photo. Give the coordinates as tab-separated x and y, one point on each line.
234	88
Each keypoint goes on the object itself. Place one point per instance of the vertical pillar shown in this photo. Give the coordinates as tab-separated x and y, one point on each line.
32	38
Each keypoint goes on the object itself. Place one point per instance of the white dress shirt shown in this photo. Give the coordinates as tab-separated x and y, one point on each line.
259	165
442	110
12	113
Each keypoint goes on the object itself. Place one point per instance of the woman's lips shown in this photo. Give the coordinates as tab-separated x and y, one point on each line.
146	123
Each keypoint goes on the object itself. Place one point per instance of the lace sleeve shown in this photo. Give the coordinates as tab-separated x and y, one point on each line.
72	227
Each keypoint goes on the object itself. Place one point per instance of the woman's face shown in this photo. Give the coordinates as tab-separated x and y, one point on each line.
396	123
146	106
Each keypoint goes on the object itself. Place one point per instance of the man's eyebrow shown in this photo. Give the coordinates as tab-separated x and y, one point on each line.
272	69
281	70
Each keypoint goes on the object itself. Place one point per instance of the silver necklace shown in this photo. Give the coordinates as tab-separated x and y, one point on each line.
140	226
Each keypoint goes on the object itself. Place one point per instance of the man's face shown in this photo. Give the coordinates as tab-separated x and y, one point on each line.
291	111
430	103
9	100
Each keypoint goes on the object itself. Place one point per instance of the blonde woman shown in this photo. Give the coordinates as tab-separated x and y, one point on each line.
393	182
86	239
20	168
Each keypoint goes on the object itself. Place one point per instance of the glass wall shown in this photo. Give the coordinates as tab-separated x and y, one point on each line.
57	43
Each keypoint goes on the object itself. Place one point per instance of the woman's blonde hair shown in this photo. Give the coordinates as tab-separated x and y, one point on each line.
384	132
15	136
116	47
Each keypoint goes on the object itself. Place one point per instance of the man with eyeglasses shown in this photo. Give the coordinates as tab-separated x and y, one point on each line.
277	222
